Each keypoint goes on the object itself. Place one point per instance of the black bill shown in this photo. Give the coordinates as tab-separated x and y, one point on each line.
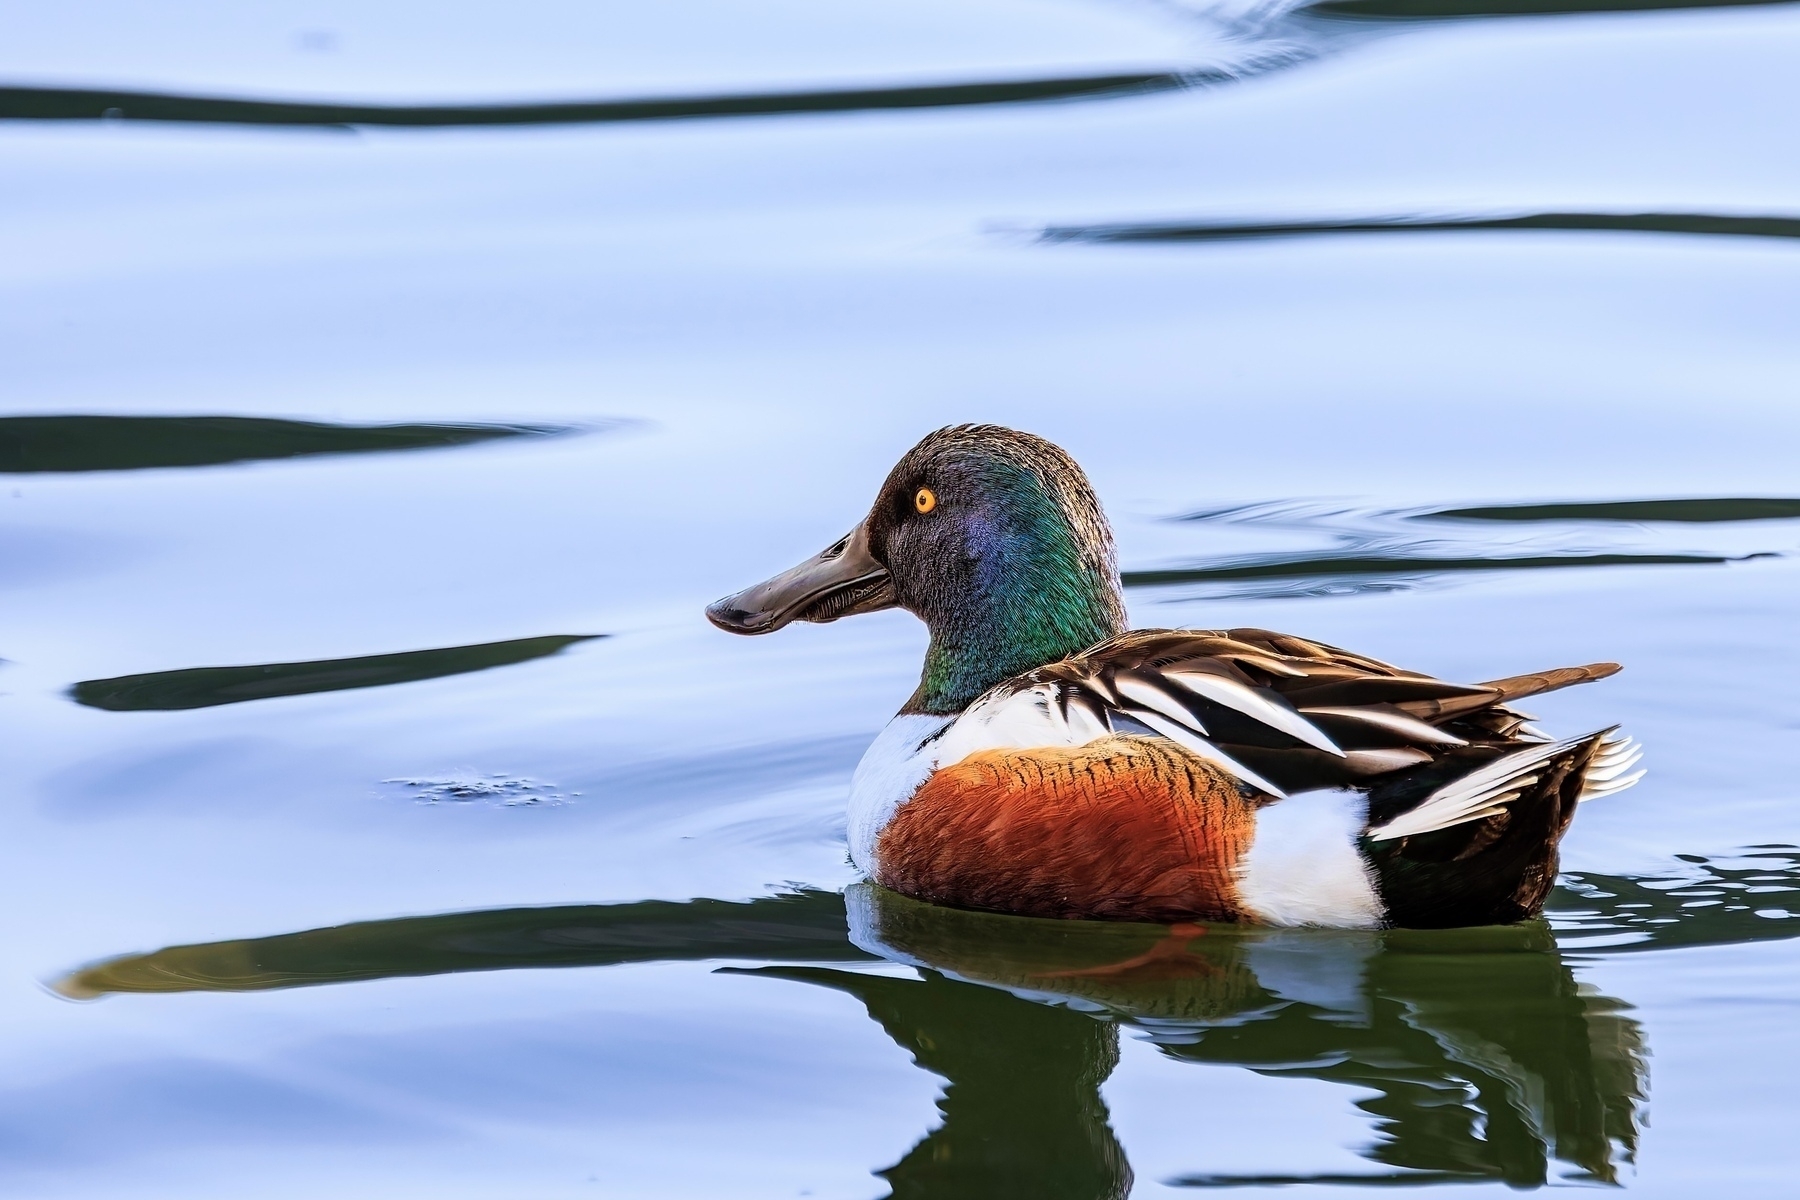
842	580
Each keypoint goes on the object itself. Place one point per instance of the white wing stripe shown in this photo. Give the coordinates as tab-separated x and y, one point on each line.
1235	695
1375	762
1157	700
1399	723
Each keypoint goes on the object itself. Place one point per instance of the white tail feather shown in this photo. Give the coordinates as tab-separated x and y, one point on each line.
1606	774
1479	794
1486	792
1613	788
1611	771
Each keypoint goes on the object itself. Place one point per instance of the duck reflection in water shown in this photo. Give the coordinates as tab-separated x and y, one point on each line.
1481	1057
1475	1052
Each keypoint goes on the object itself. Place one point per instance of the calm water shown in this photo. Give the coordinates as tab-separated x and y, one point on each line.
386	388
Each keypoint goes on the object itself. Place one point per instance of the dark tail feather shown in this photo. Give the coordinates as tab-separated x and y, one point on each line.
1490	870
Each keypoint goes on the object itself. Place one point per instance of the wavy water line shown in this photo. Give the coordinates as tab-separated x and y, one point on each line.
76	443
1376	549
209	687
94	104
1656	909
1437	1030
1698	511
1328	1179
1693	223
1332	566
1275	35
1439	10
1710	900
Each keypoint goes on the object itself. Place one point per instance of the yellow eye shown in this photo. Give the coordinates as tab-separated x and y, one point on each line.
925	500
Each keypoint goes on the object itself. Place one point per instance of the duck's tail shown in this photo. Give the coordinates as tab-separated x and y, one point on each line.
1471	839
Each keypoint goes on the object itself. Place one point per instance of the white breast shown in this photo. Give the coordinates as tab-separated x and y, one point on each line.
913	745
891	770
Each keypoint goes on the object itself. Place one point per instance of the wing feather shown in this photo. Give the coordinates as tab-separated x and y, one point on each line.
1390	720
1146	694
1283	714
1480	793
1263	706
1182	736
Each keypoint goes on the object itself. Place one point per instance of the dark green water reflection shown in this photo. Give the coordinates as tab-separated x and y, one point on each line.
807	926
86	104
1429	10
33	444
1336	566
1752	896
1709	224
1380	549
1696	511
204	687
1475	1053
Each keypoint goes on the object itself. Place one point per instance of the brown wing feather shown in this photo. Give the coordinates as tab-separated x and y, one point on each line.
1517	687
1513	687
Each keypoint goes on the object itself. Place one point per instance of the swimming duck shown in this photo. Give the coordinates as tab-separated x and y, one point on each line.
1053	763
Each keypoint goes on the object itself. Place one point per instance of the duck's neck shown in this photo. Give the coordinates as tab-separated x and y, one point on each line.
1027	615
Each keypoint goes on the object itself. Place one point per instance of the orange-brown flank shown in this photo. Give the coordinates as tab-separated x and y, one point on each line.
1124	828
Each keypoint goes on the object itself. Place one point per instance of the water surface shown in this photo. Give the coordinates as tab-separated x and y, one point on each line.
341	854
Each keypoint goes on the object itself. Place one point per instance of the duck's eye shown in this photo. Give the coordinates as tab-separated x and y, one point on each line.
924	500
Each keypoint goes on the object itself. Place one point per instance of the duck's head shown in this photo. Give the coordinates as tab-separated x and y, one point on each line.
992	537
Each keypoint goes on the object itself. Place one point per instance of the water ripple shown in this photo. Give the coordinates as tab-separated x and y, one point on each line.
81	442
1476	1053
206	687
1437	10
1693	223
1371	549
88	104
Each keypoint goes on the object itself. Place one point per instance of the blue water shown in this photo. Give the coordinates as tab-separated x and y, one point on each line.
722	330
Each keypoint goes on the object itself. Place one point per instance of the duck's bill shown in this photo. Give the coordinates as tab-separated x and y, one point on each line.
841	581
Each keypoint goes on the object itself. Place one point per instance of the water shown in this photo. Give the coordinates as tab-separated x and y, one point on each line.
374	777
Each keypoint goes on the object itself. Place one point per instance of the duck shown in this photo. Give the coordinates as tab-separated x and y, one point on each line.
1053	762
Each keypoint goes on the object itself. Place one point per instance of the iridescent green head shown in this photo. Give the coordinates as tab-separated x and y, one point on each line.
992	537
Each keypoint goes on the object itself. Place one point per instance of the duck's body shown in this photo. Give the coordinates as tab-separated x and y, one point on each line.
1051	764
1149	779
